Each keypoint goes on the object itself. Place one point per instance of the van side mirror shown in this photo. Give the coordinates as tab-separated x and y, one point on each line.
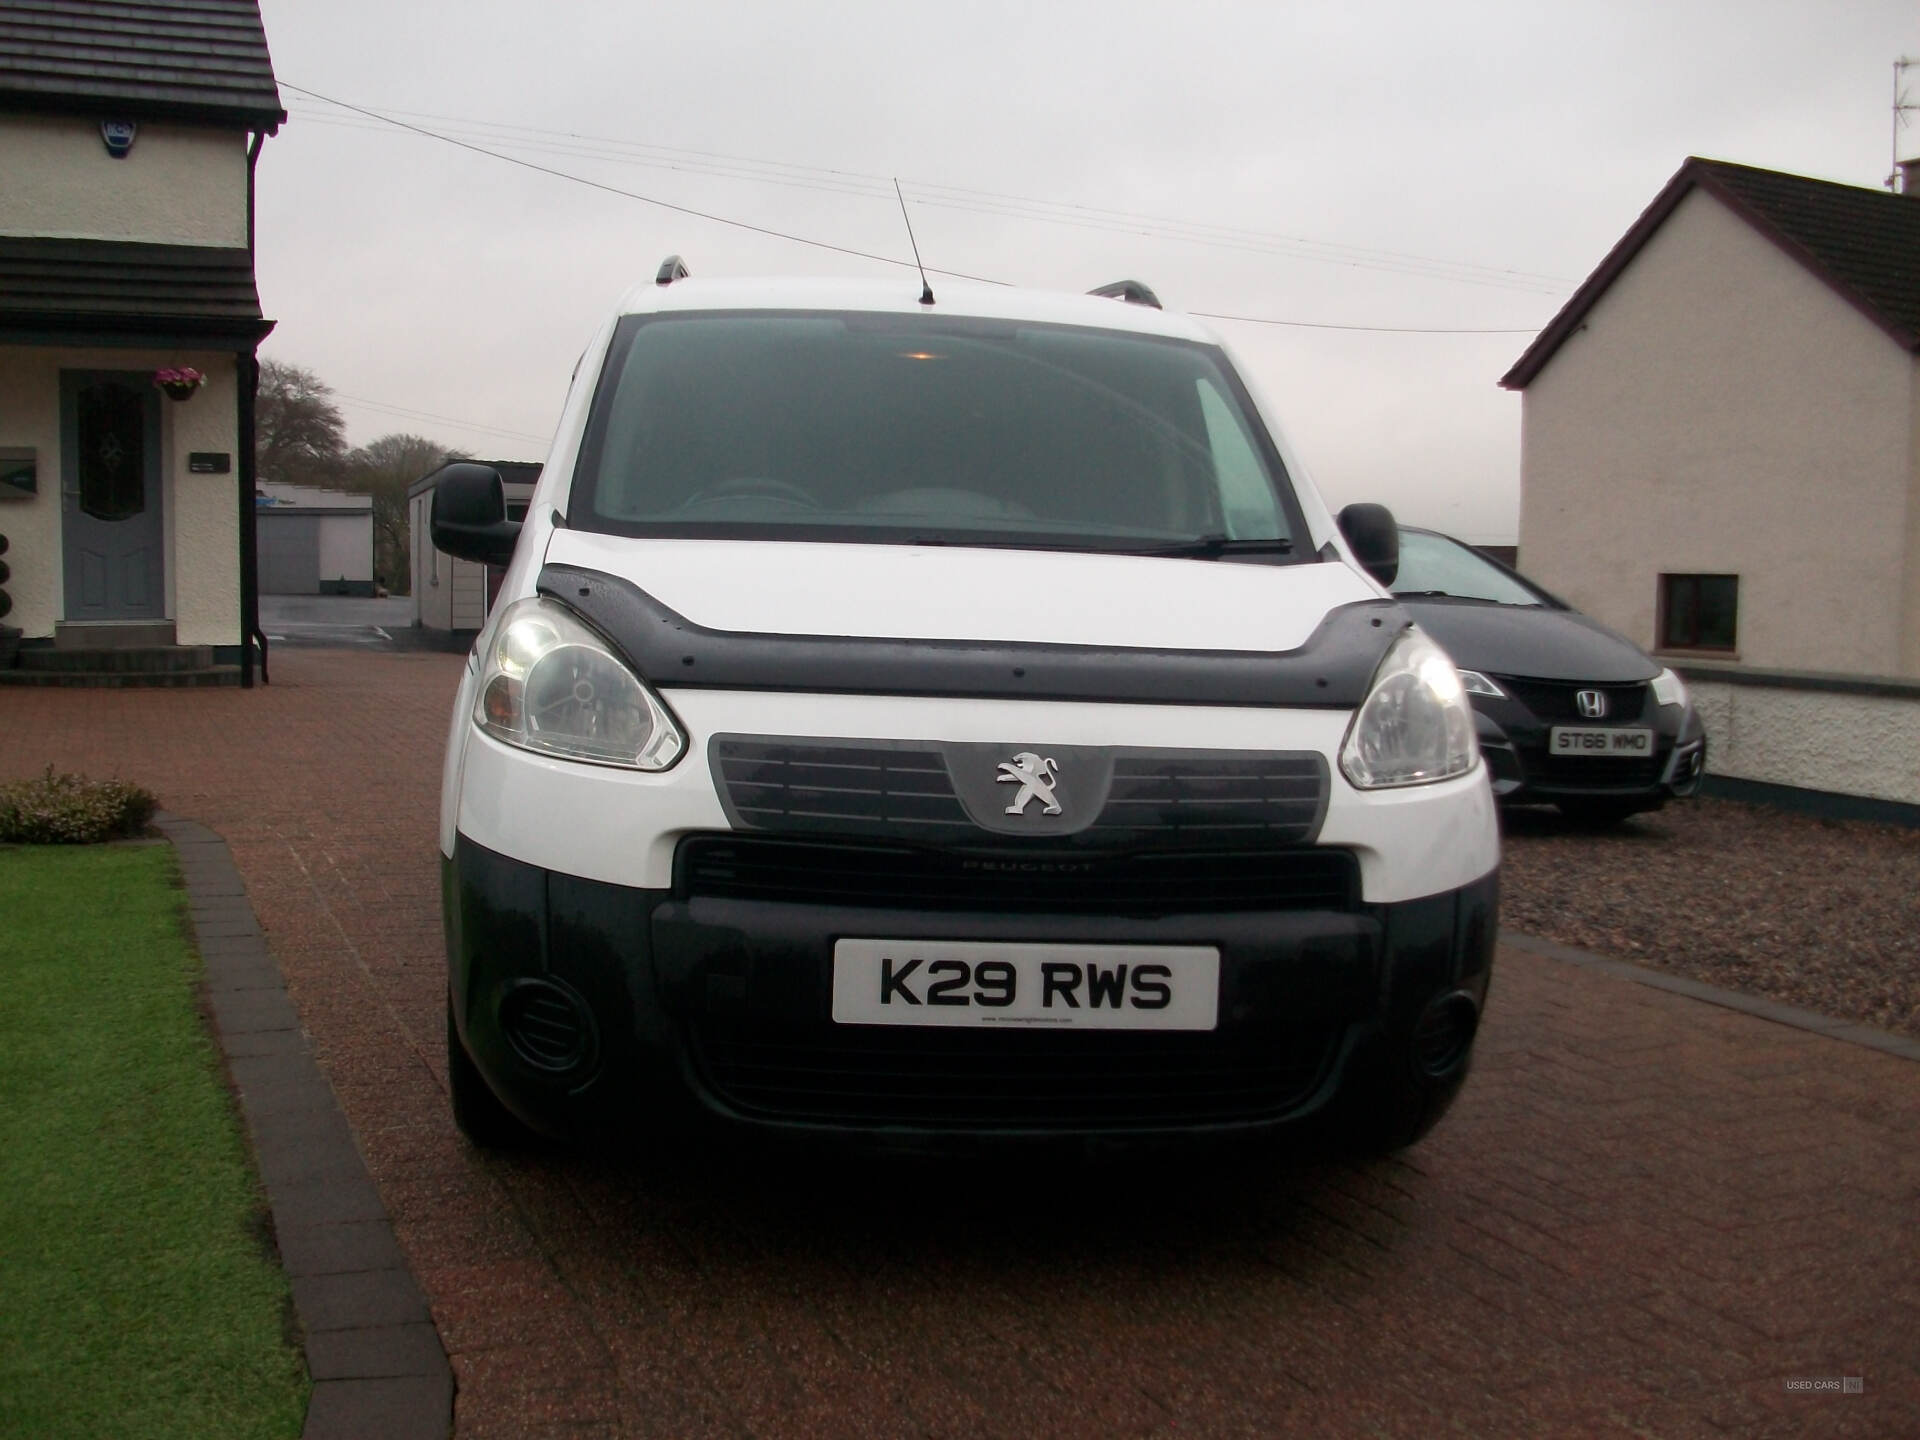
1375	537
470	514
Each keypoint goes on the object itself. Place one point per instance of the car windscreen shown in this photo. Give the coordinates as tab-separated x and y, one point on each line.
925	429
1433	565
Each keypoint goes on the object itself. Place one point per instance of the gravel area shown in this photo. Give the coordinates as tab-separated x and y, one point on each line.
1817	913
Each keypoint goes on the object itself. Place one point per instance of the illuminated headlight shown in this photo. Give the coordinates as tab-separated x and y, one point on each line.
552	685
1474	683
1669	688
1416	725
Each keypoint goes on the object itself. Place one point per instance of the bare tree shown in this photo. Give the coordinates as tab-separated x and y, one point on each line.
299	433
384	469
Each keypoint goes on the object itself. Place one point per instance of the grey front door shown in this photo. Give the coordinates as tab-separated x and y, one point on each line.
113	533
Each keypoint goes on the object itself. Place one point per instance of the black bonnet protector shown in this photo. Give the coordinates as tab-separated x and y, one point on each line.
1331	671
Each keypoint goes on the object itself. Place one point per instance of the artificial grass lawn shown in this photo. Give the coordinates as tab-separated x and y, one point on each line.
137	1295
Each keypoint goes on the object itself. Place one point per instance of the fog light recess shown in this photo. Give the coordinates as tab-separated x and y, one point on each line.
1445	1034
548	1026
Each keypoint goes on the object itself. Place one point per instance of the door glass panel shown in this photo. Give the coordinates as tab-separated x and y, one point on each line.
111	442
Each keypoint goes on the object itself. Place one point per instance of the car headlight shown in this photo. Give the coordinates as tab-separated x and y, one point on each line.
1416	725
554	686
1669	688
1474	683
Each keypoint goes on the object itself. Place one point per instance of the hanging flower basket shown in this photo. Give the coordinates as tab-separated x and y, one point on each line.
179	384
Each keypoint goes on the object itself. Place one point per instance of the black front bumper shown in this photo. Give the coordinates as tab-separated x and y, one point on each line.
602	1011
1514	742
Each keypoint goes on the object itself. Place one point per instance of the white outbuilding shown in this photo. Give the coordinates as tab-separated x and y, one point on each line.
454	596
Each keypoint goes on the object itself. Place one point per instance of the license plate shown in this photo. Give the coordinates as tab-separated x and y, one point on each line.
1599	740
1064	987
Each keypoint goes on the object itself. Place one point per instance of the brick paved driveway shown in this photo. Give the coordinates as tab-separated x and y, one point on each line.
1644	1216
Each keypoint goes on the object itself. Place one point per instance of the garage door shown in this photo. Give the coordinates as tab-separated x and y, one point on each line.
289	554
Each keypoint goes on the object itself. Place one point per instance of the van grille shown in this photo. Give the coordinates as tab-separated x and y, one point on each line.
1224	800
1169	799
1029	881
841	790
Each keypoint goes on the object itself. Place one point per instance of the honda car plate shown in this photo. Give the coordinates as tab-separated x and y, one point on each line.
1601	741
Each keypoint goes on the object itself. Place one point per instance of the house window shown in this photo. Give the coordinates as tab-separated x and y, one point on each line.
1697	612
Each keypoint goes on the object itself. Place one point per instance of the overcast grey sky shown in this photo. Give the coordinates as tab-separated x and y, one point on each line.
1456	166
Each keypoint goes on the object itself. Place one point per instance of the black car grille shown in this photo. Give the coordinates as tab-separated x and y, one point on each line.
875	1075
1552	701
1582	772
903	792
1029	881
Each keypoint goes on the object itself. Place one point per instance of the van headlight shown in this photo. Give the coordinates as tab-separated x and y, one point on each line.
1416	725
554	686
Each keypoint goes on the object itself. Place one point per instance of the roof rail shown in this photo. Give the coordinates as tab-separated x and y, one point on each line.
1131	291
671	269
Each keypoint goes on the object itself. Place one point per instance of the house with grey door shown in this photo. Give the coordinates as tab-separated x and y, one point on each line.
129	325
1720	458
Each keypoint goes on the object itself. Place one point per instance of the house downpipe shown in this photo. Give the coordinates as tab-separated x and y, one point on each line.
247	366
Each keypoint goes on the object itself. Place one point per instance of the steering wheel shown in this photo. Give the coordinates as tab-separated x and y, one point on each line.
757	486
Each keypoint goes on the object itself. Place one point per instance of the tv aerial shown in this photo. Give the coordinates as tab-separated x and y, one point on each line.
1902	107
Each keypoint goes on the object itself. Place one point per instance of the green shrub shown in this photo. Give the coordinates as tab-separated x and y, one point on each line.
72	810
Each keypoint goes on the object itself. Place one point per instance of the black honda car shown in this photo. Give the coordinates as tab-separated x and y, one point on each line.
1569	712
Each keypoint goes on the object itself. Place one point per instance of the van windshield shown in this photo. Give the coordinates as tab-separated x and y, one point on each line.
927	429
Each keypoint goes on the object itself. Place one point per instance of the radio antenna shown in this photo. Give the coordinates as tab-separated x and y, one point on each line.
926	289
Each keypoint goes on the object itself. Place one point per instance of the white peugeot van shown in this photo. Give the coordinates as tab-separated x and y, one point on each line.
918	718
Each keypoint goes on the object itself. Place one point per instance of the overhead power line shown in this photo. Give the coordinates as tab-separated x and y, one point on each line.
404	413
634	194
987	202
1377	329
393	120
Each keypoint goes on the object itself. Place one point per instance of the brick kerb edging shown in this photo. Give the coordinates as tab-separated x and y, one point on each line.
1790	1015
377	1363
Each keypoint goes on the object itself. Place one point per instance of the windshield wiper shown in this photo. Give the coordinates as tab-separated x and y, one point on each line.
1475	599
994	542
1214	547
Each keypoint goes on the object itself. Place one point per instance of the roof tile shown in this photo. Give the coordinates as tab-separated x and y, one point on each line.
200	60
1865	240
1863	243
52	284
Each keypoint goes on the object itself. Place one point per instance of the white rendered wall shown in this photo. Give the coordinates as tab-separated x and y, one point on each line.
1722	411
179	185
1850	744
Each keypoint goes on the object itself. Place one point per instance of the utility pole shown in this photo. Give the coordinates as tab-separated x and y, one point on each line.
1902	107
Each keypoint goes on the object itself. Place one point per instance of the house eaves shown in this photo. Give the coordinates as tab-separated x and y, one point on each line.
56	290
1863	244
199	61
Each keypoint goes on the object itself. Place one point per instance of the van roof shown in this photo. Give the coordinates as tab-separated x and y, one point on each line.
902	296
